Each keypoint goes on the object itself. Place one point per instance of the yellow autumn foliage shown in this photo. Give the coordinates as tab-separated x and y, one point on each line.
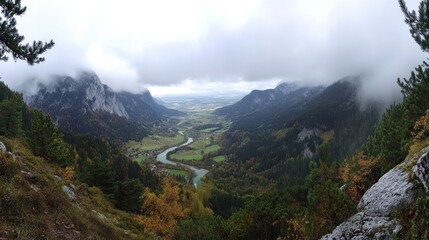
161	212
358	174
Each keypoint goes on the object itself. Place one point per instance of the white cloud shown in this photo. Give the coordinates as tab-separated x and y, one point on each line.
218	43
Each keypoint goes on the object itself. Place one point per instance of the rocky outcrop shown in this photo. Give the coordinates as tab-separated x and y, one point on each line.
393	191
307	133
68	190
362	226
2	147
421	171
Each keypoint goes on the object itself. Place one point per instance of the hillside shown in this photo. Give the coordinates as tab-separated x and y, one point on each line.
38	200
278	142
256	103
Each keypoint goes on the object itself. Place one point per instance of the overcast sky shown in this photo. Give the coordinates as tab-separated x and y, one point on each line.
200	46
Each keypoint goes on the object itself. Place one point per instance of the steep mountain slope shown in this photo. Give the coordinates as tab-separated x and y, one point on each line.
84	105
278	142
257	100
139	106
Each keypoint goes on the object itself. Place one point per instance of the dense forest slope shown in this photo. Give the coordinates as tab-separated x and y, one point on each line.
277	142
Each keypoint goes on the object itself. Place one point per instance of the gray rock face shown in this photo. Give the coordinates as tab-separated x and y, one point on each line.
392	191
69	191
307	133
100	215
361	226
2	147
421	171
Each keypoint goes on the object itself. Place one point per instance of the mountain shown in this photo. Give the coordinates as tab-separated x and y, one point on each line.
85	105
86	93
141	105
257	100
277	142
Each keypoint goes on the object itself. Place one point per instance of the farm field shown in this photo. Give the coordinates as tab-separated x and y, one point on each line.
177	172
196	155
155	142
219	159
186	156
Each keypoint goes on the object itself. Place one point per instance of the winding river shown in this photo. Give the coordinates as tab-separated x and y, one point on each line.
199	172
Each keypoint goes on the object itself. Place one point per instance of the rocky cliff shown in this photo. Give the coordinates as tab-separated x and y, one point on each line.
394	190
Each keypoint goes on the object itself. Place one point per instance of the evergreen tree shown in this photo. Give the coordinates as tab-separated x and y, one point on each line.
128	195
46	140
11	115
11	40
102	175
418	23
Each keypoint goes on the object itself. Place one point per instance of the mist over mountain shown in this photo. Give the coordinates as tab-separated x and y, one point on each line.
83	104
280	132
283	96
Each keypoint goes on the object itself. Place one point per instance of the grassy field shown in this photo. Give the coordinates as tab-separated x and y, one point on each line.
140	159
219	159
209	149
177	172
196	155
155	143
199	144
187	155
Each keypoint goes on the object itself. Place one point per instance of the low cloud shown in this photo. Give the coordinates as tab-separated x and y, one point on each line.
307	41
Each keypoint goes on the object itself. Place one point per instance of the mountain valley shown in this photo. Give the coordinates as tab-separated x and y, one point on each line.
276	120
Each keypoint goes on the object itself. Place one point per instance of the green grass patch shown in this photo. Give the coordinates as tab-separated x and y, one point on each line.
199	144
219	159
140	159
177	172
209	149
187	156
155	142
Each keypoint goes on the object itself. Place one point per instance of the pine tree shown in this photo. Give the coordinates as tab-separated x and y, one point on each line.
419	24
46	140
102	175
11	40
11	115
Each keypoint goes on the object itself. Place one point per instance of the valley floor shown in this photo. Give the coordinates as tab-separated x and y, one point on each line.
204	128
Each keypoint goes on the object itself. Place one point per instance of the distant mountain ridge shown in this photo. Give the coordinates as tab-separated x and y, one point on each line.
85	105
259	105
284	135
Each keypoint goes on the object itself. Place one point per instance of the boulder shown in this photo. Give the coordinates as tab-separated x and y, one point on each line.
421	171
361	226
392	191
2	147
69	191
